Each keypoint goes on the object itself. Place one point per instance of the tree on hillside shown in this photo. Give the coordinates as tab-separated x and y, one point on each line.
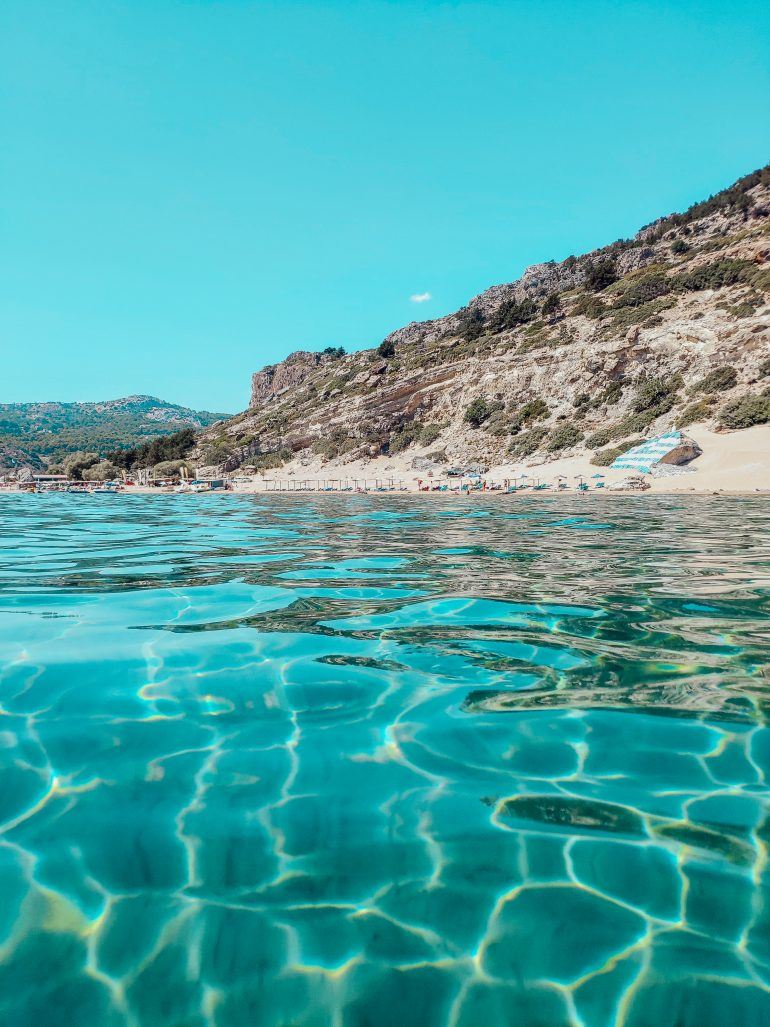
477	411
600	274
103	471
147	454
169	468
75	464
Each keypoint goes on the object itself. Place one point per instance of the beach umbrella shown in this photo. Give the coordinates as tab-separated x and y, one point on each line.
597	475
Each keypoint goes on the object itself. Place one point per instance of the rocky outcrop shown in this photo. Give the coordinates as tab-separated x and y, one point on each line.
633	483
277	379
687	450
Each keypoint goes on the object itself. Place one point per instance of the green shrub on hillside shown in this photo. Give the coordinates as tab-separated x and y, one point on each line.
619	245
478	411
647	314
537	340
498	423
429	433
533	410
511	314
644	289
744	309
745	411
470	323
655	393
528	442
600	274
632	424
414	434
719	380
551	304
605	457
563	436
270	461
679	246
612	394
599	438
403	438
653	397
695	412
334	443
386	348
716	275
733	198
215	453
589	306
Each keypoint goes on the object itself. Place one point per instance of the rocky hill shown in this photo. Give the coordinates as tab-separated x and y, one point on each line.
666	329
38	433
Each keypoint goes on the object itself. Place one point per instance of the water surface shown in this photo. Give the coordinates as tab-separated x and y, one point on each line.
384	761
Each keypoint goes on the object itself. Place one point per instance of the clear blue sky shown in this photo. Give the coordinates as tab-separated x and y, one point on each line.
193	188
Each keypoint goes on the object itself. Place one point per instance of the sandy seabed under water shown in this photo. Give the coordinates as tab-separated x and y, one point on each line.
319	760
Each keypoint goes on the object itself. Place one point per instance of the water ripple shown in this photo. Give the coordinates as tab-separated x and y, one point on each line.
415	761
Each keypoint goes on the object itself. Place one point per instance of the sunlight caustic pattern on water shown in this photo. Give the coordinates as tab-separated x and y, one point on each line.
416	761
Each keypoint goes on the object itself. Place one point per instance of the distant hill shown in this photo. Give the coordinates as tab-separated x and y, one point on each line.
41	433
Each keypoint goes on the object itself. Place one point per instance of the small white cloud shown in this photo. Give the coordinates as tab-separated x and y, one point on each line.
420	297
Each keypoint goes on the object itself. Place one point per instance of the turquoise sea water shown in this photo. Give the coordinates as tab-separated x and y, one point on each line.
368	762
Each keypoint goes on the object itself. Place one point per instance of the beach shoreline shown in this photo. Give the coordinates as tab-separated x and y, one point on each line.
732	462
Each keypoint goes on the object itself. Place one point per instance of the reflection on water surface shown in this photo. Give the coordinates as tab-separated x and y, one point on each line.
336	760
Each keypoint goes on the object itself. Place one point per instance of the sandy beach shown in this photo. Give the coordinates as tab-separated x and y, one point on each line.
736	462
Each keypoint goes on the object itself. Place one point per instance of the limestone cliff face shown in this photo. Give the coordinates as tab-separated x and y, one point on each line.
660	330
276	379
